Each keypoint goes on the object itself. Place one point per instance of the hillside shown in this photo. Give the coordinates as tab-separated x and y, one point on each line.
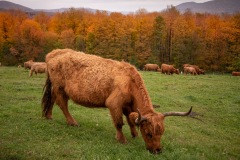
214	7
5	5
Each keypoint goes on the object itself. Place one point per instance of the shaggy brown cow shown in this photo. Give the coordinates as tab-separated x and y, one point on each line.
28	64
198	70
169	69
235	73
151	67
190	70
38	67
93	81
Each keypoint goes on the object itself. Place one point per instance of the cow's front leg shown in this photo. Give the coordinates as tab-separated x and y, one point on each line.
119	134
133	130
115	107
118	122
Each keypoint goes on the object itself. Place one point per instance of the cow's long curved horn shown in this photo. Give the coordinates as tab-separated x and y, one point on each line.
177	113
140	118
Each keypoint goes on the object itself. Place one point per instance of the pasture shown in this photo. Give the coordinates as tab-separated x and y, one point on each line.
214	133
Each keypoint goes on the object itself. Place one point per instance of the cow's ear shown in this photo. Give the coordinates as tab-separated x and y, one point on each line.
136	118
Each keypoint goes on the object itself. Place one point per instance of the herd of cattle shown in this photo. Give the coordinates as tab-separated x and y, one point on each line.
41	67
169	69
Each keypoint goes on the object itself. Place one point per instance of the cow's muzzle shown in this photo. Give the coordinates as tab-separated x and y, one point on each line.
155	151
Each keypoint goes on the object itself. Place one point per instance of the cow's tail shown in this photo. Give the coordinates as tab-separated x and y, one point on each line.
47	101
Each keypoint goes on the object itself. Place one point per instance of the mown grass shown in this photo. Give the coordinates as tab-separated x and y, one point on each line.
213	134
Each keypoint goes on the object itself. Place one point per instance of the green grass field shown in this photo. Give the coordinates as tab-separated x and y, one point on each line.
213	134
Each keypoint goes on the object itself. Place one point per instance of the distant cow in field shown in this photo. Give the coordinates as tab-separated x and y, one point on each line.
198	70
168	69
38	67
151	67
28	64
190	70
93	81
235	73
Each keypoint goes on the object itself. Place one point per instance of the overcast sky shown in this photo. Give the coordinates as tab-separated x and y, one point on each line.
109	5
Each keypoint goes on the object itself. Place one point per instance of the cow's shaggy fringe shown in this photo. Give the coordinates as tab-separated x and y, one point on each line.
47	96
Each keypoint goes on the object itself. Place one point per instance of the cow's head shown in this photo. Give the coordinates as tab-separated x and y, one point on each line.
152	127
176	71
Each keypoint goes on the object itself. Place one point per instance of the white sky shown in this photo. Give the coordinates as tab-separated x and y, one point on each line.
109	5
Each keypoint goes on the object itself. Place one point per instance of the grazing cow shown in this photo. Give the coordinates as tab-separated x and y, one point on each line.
198	70
235	73
168	69
38	67
28	64
190	70
93	81
151	67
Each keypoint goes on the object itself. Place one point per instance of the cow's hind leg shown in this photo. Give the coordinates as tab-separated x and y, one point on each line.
114	104
126	112
62	102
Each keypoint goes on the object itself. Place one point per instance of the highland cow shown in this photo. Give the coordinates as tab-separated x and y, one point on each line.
151	67
198	70
168	69
38	67
93	81
190	70
235	73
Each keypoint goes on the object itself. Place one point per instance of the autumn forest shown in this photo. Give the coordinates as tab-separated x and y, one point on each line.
210	41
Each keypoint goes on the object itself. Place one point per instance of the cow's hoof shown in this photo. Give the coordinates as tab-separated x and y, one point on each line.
73	124
121	139
48	117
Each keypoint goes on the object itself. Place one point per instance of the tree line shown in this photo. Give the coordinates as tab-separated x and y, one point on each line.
208	40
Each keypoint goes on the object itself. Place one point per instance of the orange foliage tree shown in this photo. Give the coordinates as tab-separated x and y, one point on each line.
210	41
